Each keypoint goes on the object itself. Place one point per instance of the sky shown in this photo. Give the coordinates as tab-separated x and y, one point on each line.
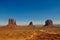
24	11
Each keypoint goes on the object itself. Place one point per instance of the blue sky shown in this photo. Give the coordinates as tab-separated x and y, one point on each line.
24	11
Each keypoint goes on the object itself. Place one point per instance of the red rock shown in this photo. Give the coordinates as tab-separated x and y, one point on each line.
31	23
48	23
11	23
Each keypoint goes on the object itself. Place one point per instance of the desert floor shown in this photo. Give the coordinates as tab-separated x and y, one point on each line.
30	33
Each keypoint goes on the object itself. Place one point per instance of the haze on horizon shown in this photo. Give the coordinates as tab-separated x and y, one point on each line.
24	11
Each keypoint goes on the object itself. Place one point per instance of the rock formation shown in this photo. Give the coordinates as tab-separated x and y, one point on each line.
48	23
31	23
11	23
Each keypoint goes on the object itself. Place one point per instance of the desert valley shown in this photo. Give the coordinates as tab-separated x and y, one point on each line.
12	31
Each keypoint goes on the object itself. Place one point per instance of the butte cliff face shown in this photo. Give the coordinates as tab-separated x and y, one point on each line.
31	23
11	23
48	23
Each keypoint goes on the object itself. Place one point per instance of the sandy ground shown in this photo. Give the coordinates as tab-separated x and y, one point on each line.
30	33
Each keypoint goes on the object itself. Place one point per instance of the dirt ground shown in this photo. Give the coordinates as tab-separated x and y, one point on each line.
30	33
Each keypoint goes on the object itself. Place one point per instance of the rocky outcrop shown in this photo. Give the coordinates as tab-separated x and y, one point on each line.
11	23
48	23
31	23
